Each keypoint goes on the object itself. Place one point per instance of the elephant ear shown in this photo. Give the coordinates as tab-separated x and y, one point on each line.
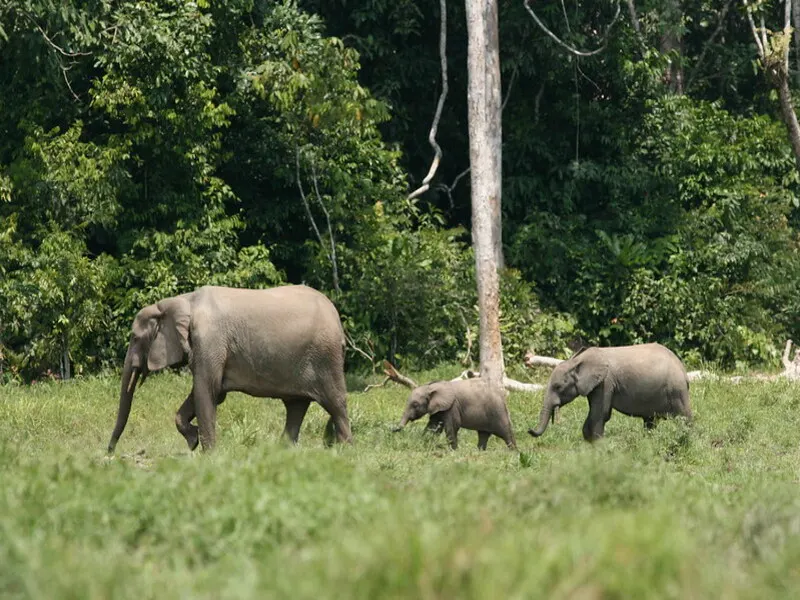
588	375
440	399
171	342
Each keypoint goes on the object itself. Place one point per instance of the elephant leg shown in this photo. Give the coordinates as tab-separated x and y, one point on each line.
506	431
451	431
594	426
333	398
508	437
435	425
483	438
183	422
649	423
185	416
338	425
206	395
295	413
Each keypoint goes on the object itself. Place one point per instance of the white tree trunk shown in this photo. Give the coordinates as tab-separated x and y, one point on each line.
484	114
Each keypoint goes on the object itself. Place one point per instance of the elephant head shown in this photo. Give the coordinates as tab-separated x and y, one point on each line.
578	376
159	338
427	399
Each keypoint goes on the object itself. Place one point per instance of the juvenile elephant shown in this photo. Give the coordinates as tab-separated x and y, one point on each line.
285	342
646	381
471	404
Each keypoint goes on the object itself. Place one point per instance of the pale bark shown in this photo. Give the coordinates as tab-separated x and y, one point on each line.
511	385
562	43
485	139
437	150
332	252
790	117
774	54
534	360
392	374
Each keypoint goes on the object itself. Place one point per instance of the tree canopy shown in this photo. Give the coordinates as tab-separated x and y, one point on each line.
650	190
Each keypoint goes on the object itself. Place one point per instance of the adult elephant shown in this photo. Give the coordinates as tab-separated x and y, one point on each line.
285	342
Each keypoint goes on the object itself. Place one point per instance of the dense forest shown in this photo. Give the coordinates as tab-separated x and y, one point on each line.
650	189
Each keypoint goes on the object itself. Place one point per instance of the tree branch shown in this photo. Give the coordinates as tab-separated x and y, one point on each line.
351	343
331	257
332	253
708	43
509	384
50	42
66	80
426	183
562	43
533	360
749	11
635	21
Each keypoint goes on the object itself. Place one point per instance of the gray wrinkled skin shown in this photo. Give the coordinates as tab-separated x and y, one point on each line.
470	404
646	381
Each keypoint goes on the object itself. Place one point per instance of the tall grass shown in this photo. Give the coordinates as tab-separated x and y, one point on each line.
710	510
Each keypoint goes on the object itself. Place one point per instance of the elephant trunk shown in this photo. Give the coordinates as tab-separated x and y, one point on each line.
130	375
403	422
545	416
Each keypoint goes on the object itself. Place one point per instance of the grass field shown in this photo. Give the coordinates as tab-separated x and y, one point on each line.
707	511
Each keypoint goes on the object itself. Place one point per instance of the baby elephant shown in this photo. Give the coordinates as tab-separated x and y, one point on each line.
646	381
469	403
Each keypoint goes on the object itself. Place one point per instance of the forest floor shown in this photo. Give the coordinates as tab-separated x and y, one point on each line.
710	510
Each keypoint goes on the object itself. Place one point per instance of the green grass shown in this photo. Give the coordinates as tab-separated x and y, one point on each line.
707	511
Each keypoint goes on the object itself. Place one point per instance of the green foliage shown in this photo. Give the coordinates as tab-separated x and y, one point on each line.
53	306
170	145
411	294
721	291
524	326
666	514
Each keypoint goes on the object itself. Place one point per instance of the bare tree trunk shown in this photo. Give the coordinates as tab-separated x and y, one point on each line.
790	117
485	139
773	50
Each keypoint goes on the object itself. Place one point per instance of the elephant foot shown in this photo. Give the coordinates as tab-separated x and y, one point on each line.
330	433
192	438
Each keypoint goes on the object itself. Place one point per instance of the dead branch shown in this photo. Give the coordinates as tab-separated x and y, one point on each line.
395	375
50	42
635	21
562	43
509	384
351	343
533	360
437	157
66	80
331	253
392	374
377	385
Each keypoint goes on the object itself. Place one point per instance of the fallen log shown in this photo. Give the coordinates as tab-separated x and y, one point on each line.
392	374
